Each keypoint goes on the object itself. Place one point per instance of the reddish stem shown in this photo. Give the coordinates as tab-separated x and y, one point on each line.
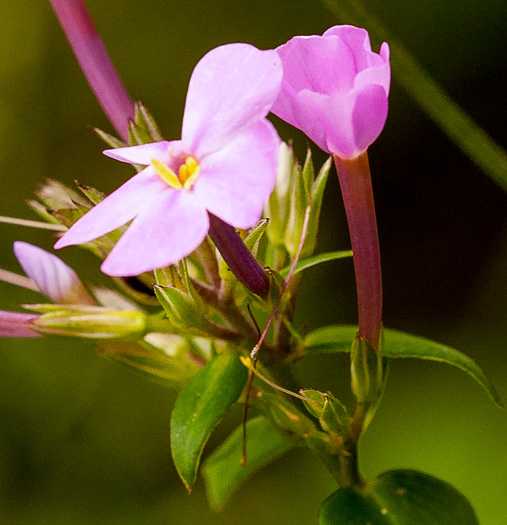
355	182
95	62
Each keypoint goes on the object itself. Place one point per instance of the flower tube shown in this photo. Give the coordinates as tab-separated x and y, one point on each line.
335	89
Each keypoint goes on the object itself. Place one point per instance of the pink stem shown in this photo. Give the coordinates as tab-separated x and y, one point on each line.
355	182
95	62
16	324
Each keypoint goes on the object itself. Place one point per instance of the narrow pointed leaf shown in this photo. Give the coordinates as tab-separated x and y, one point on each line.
222	471
400	497
316	259
200	407
397	344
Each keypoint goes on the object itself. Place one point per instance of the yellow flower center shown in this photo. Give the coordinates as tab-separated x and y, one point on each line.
188	173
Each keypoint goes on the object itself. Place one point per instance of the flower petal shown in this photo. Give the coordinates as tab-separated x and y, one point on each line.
16	324
55	279
172	227
141	154
116	209
236	181
343	124
231	87
369	116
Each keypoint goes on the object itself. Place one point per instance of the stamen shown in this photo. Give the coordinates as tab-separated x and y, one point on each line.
166	174
189	172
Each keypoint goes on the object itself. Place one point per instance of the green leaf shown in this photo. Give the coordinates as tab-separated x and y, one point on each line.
338	338
316	259
200	407
399	497
222	471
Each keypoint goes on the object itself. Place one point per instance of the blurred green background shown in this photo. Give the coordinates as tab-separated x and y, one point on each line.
83	440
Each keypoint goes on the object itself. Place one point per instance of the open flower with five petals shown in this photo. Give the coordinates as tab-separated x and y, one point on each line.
225	164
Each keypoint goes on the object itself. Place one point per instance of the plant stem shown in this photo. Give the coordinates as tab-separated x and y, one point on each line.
95	62
355	182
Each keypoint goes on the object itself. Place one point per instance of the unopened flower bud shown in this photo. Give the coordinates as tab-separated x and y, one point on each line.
93	322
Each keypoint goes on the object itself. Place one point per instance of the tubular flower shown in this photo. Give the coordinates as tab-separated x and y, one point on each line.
225	164
335	89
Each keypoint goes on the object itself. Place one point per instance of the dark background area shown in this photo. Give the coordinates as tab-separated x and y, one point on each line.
83	440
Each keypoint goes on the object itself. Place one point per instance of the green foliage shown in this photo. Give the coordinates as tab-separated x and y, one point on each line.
331	413
396	344
223	472
200	407
400	497
303	264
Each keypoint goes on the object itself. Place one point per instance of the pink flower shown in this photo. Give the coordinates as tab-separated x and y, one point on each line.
47	274
335	89
55	279
225	164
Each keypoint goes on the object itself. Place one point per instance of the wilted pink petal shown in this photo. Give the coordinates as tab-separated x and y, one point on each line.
232	87
55	279
335	89
224	164
15	324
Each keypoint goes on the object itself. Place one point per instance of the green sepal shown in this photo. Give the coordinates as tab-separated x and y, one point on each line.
299	198
68	216
170	365
93	195
181	310
399	497
331	413
55	195
200	407
222	470
93	322
144	119
138	135
396	344
366	371
110	140
285	416
317	193
278	206
255	235
42	211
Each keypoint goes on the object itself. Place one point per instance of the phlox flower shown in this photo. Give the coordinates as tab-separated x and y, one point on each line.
47	274
335	89
225	165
